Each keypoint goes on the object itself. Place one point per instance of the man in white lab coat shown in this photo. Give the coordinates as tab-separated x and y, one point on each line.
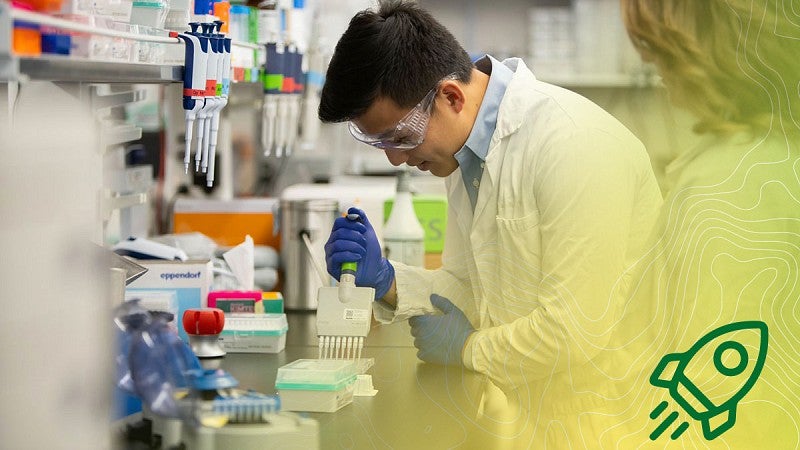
549	200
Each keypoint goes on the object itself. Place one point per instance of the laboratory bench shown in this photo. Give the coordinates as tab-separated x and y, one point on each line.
418	405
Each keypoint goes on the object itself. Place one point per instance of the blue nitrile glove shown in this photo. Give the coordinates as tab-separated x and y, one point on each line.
441	339
355	241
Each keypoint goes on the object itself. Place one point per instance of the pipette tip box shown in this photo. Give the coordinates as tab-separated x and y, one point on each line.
254	333
316	385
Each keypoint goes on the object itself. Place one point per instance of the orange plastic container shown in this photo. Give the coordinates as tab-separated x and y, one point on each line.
41	5
223	11
26	39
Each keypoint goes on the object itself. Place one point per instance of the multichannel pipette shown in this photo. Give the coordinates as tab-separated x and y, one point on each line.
344	314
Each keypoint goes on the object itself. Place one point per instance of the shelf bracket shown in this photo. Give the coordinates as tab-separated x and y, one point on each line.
111	202
9	65
102	97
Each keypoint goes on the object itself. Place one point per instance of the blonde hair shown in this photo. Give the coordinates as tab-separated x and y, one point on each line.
734	63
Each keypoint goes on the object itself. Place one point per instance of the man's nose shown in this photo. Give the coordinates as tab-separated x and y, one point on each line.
395	157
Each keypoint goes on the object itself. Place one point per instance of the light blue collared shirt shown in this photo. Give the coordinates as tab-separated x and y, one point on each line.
472	155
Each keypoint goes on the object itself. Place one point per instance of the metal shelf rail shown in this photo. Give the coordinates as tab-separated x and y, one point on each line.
71	69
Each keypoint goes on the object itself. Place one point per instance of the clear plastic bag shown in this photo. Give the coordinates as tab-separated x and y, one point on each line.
154	363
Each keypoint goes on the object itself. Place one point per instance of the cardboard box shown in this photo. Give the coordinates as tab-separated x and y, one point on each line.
227	222
189	280
272	302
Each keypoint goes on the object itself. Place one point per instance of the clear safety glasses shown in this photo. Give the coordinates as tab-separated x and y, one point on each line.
409	131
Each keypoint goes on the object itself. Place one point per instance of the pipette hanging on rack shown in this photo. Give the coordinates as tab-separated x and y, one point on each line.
206	89
223	86
194	79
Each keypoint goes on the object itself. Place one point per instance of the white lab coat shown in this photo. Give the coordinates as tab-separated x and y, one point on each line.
566	202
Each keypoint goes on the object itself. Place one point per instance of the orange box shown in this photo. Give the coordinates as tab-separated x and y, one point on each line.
52	6
222	11
227	222
27	39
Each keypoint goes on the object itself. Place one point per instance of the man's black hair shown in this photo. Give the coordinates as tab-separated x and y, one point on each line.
399	51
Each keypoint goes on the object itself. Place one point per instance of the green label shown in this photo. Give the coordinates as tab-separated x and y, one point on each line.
273	82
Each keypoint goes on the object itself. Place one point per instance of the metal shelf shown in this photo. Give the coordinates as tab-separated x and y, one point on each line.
599	80
589	81
64	69
639	78
58	68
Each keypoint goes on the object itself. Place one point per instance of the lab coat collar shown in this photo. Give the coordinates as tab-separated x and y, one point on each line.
509	120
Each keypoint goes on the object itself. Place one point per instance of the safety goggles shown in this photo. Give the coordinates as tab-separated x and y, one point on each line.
409	131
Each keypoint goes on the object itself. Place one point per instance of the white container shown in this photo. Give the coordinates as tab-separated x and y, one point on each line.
118	11
403	235
239	28
178	16
595	19
148	13
316	385
254	333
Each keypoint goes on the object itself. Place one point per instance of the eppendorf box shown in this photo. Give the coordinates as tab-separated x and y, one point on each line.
254	333
189	280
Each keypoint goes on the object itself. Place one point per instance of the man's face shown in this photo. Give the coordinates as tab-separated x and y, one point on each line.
434	154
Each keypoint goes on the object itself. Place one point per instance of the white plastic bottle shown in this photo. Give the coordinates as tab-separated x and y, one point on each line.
403	236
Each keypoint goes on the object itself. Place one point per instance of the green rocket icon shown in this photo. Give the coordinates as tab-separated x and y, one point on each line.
734	368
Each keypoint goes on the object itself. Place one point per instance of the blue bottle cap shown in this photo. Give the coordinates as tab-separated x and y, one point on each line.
203	7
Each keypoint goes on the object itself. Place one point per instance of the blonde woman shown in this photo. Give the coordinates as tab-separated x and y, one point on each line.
707	351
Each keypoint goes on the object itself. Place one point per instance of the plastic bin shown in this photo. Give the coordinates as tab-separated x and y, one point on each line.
149	13
26	38
240	23
254	333
316	385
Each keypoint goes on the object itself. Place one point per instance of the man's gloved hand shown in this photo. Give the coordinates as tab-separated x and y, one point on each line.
355	241
441	339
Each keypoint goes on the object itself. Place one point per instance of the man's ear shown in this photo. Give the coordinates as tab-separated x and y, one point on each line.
454	95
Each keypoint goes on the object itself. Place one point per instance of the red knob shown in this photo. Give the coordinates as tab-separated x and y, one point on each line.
203	321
